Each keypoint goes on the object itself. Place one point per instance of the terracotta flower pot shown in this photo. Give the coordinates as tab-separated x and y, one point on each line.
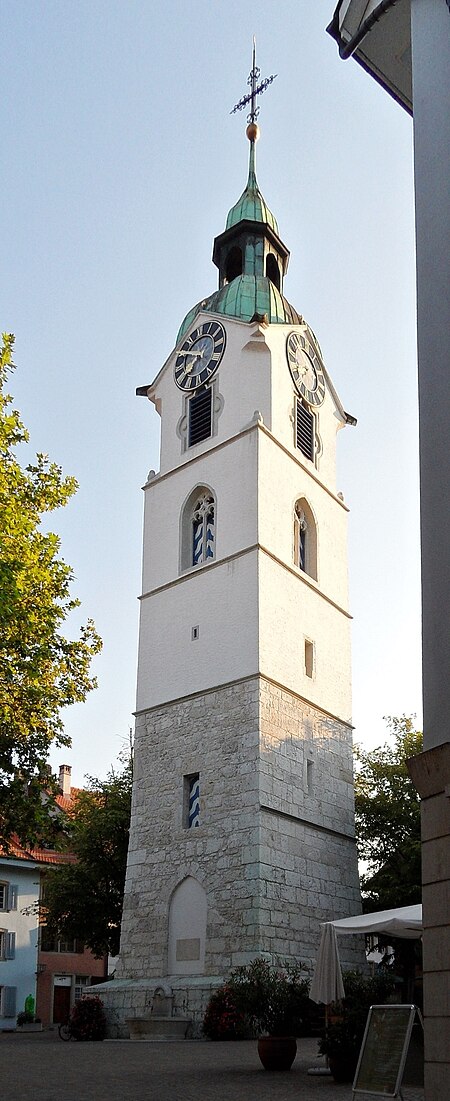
277	1052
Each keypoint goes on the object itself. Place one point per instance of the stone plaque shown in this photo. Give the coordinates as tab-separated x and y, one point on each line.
188	949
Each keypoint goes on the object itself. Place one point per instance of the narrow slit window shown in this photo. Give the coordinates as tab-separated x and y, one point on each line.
192	800
309	657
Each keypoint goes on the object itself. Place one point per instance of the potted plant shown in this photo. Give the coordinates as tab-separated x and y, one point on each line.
223	1019
88	1020
273	999
342	1038
27	1021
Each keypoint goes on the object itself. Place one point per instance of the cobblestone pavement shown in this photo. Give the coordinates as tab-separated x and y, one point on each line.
43	1068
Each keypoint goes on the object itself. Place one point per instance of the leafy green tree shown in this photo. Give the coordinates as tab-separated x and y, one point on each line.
41	671
387	809
83	901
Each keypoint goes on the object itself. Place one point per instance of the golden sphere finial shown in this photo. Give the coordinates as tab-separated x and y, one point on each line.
253	131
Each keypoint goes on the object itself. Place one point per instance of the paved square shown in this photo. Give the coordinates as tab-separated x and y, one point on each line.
43	1068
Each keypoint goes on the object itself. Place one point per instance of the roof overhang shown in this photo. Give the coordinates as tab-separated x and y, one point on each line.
378	35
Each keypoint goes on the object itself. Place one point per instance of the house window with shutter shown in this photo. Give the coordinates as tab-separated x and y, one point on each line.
304	429
8	896
8	1001
7	945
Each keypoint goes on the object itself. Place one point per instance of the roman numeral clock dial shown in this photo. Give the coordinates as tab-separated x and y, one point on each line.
200	355
306	368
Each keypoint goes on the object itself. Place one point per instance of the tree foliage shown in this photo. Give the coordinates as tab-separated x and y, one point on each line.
41	671
387	808
83	901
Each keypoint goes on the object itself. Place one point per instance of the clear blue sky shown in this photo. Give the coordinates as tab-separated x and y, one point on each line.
120	160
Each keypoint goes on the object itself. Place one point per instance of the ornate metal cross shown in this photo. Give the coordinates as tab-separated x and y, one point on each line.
256	89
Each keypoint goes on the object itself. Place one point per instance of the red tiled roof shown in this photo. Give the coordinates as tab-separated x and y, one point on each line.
45	856
66	801
40	856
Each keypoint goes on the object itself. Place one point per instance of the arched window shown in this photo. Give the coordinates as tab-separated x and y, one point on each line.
198	522
305	538
233	264
272	270
203	529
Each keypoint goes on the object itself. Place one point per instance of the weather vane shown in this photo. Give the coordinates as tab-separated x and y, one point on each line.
256	89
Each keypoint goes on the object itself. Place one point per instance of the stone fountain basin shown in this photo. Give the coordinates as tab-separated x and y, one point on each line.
158	1028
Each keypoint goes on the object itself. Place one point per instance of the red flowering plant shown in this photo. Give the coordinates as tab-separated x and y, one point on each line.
273	998
87	1019
223	1020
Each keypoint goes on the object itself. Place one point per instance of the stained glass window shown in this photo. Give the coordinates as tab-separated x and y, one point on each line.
194	801
203	529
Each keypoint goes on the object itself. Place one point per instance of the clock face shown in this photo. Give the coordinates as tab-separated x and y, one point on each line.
306	368
200	355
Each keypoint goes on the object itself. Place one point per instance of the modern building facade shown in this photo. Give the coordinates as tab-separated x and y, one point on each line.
405	46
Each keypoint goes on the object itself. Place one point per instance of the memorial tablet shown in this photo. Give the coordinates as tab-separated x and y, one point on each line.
384	1049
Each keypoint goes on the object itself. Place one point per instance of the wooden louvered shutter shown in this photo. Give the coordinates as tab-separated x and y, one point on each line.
304	430
200	410
9	1001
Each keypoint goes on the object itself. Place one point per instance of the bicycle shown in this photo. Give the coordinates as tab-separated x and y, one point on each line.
65	1031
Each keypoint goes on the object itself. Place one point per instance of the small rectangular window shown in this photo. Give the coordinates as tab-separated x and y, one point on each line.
191	797
3	895
304	429
56	944
309	776
81	984
200	416
309	658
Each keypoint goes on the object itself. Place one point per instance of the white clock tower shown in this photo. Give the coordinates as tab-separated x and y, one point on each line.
242	832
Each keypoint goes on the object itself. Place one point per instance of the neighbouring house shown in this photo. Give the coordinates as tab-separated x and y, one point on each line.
55	972
19	892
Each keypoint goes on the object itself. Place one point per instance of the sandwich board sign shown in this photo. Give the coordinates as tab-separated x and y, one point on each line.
384	1048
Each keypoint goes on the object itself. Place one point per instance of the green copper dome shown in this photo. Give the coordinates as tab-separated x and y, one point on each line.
251	206
252	261
246	296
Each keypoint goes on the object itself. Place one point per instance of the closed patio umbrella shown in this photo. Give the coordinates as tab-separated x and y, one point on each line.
327	985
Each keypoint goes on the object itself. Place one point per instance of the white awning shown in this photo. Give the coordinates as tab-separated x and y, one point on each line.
406	921
326	986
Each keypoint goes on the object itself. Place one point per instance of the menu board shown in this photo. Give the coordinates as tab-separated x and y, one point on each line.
384	1049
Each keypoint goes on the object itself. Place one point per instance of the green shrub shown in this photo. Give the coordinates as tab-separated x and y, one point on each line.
274	999
87	1019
